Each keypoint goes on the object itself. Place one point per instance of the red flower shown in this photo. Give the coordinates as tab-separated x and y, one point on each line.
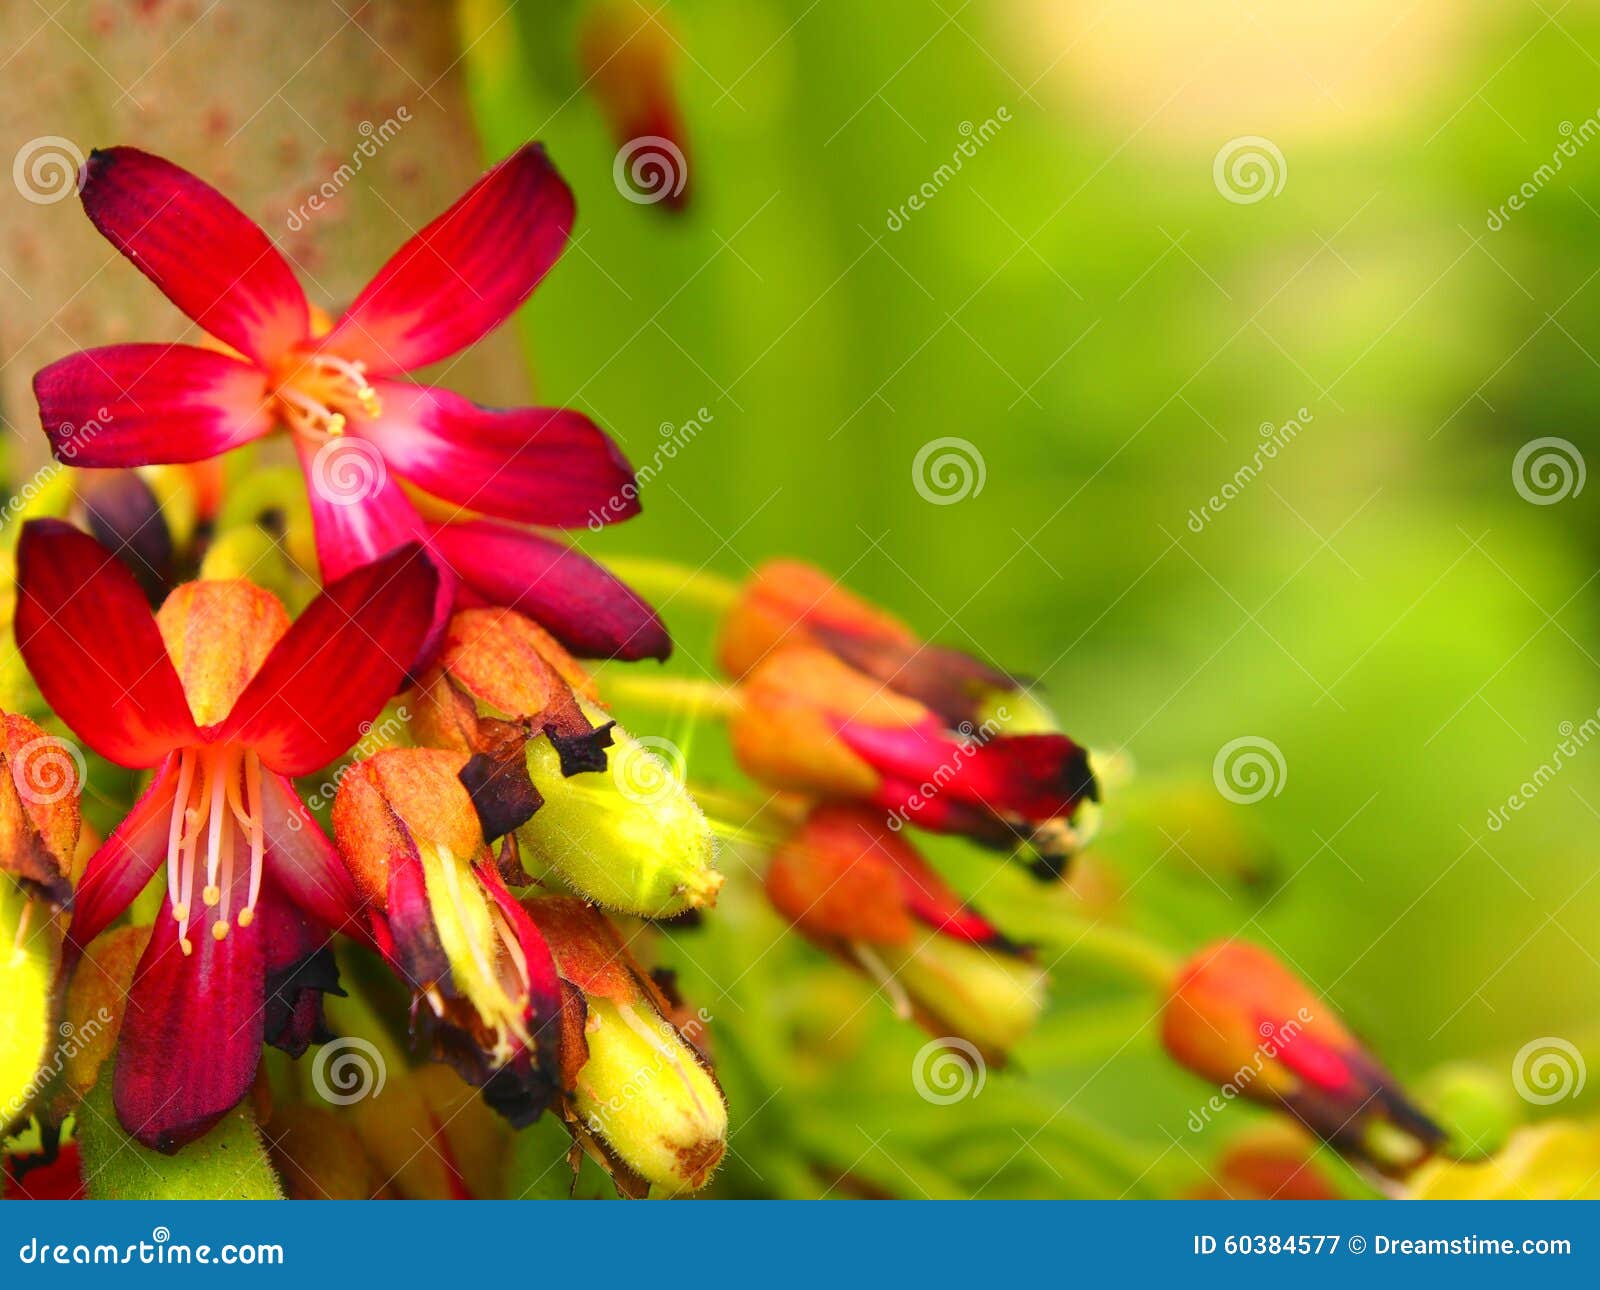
226	700
333	388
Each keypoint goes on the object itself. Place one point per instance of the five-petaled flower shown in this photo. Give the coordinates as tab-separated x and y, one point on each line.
358	430
226	700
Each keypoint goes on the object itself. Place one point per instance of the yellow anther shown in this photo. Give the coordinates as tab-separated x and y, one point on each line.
211	895
336	423
246	916
180	911
219	929
188	945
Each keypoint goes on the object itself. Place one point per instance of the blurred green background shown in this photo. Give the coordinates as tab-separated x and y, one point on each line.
1086	307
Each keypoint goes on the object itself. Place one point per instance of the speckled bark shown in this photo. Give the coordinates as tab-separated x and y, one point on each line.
265	99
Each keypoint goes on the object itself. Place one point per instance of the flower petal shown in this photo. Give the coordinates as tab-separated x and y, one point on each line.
577	601
304	864
137	405
126	860
337	665
201	250
87	635
360	513
537	465
191	1039
465	273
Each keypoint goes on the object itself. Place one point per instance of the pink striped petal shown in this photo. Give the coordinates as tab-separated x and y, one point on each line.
465	273
538	465
201	250
138	405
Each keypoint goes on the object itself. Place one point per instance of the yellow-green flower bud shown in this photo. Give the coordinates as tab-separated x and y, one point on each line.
629	837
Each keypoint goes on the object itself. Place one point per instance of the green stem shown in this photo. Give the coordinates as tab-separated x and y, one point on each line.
1129	952
674	695
666	580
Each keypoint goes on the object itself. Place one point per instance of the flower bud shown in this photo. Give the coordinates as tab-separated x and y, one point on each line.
39	809
410	837
787	603
862	892
809	722
614	821
1239	1018
645	1102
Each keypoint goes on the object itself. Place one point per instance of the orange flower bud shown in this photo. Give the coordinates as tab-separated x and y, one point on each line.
1239	1018
861	891
39	811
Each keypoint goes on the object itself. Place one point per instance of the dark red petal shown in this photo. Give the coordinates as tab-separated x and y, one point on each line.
303	864
1037	777
300	969
191	1037
577	601
205	254
136	405
465	273
126	860
544	982
537	465
89	640
337	665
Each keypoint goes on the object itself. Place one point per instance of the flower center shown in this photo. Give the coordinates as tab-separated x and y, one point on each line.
319	394
217	808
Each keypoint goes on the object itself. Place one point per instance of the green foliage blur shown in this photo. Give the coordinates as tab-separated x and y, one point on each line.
1084	305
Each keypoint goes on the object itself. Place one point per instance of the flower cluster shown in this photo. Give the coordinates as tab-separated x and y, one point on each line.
465	898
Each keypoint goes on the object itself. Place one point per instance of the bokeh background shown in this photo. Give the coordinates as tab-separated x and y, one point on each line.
1108	323
1084	305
